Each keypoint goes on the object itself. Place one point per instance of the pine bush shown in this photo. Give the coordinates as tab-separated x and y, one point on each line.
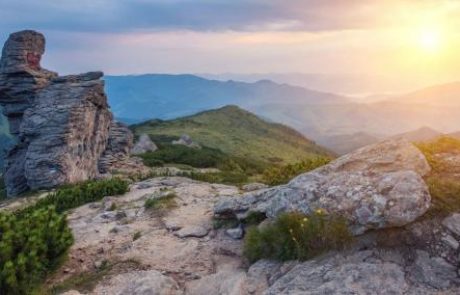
30	244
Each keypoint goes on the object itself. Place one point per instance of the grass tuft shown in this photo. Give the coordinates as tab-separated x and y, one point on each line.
442	182
162	203
296	236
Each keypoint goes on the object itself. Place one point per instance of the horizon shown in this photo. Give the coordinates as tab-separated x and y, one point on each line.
395	47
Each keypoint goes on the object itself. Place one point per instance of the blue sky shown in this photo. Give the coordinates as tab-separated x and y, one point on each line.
216	36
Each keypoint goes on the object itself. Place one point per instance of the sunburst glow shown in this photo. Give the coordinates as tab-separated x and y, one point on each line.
430	40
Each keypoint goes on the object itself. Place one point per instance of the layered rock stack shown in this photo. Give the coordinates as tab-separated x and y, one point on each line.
63	127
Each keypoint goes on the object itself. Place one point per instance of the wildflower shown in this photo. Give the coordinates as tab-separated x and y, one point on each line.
305	219
320	211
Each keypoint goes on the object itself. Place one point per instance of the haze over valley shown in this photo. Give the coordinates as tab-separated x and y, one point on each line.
322	116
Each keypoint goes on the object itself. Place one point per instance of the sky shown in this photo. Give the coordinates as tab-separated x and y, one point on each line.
415	42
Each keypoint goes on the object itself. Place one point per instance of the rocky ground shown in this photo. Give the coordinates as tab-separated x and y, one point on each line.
176	251
179	252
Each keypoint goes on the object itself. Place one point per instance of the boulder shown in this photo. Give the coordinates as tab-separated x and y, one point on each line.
187	141
340	274
374	187
62	125
143	145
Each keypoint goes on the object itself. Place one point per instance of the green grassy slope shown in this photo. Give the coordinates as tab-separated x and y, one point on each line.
236	132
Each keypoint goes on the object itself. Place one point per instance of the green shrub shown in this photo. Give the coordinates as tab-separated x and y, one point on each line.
73	196
296	236
179	154
283	174
31	244
161	203
445	195
442	182
32	240
441	145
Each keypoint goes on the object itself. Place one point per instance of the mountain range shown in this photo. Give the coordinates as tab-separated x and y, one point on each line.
136	98
318	115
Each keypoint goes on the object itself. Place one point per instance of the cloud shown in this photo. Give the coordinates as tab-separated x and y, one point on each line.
196	15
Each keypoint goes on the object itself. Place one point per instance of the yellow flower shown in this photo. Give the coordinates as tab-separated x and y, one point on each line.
320	211
305	219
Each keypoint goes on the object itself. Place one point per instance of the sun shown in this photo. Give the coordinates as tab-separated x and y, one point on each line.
430	40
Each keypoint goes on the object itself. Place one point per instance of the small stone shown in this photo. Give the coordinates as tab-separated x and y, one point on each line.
192	231
98	264
172	226
108	215
67	270
235	233
120	215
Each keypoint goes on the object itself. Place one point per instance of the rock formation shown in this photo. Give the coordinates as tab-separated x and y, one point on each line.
186	140
143	145
62	124
375	187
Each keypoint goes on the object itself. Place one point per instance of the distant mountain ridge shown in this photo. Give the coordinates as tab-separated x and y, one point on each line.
170	96
443	95
239	133
421	134
344	143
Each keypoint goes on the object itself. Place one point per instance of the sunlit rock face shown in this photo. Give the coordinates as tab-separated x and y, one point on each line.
375	187
62	124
